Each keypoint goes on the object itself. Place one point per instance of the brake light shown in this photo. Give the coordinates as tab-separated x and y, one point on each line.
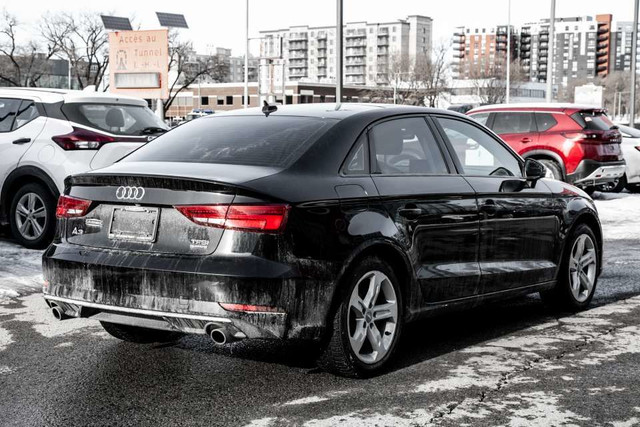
70	207
637	147
85	139
582	136
246	308
238	217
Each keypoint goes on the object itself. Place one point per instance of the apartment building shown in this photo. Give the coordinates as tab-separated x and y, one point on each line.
481	52
585	47
235	64
368	49
621	35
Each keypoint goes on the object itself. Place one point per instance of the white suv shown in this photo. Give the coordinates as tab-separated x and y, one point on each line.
49	134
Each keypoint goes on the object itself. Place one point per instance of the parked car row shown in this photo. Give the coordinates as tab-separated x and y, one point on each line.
577	144
47	135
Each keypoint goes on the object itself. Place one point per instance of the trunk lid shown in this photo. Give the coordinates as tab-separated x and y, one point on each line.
135	212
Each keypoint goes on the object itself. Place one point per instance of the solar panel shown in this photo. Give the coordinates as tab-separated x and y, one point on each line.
116	23
172	20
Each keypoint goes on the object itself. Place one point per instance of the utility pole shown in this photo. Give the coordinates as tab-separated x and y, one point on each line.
339	52
634	52
508	52
246	57
552	36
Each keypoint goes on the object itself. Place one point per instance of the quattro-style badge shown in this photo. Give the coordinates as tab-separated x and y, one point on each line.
129	193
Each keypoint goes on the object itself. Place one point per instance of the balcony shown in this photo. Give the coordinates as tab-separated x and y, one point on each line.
298	36
542	60
298	55
355	43
603	29
382	51
354	72
603	52
298	46
356	80
355	52
602	60
297	63
543	38
604	37
358	34
322	35
601	68
603	45
300	72
383	40
356	60
322	45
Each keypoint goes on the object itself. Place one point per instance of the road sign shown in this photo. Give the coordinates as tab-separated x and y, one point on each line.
138	63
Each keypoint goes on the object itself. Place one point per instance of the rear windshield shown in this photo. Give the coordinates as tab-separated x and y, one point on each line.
115	118
239	140
591	120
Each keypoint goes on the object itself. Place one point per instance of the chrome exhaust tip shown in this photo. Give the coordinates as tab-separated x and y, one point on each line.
58	313
218	336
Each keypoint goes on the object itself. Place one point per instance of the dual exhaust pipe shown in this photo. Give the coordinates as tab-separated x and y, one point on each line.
221	335
58	312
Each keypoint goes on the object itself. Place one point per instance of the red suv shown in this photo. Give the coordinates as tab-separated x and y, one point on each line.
577	144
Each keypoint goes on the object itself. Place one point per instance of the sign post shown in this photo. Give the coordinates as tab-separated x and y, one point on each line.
139	63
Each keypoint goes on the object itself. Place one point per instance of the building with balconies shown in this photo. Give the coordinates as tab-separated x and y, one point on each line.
369	49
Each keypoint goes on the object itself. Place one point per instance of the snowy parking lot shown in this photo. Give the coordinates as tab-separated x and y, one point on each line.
511	363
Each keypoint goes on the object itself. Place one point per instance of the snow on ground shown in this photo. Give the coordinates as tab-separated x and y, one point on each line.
20	269
619	214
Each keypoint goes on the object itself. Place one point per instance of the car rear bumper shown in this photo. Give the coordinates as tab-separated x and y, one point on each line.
592	172
135	290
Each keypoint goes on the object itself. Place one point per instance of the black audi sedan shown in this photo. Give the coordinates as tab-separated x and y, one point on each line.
334	223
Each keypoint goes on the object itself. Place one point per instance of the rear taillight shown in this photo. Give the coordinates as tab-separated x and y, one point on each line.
82	139
637	147
270	218
70	207
85	139
584	136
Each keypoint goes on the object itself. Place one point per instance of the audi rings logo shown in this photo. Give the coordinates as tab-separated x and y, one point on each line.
129	193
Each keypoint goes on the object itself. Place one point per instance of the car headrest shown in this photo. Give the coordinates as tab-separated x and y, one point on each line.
114	118
387	141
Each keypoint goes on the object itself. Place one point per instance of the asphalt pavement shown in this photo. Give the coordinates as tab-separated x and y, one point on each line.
510	363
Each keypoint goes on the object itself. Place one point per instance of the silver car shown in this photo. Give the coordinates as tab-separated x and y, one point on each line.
631	151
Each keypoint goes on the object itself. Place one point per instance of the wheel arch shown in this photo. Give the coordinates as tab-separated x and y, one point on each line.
546	155
387	251
19	177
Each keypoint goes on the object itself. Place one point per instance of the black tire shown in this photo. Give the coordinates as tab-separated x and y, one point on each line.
553	168
338	357
139	335
49	201
561	296
622	183
633	188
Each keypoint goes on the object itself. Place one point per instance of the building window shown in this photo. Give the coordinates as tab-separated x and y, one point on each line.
229	100
370	32
394	29
204	100
220	101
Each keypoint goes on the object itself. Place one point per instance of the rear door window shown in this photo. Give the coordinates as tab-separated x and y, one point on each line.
117	119
545	121
406	146
8	111
481	118
274	141
513	122
25	114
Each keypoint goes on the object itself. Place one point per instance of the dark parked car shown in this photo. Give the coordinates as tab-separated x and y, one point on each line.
316	222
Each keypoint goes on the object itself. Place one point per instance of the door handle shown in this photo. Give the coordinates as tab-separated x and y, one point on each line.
22	141
489	207
525	139
410	213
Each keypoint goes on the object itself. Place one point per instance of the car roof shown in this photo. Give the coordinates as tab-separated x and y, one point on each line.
70	96
335	111
536	106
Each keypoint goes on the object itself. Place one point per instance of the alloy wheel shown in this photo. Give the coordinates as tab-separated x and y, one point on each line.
373	317
31	216
582	267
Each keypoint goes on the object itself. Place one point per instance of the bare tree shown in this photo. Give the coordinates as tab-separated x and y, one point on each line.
20	65
490	83
189	67
82	40
418	80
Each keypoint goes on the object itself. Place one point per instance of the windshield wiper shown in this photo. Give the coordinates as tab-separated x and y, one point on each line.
152	129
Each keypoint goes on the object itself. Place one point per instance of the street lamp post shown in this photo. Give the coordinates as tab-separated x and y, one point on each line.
634	55
246	57
552	21
339	52
508	90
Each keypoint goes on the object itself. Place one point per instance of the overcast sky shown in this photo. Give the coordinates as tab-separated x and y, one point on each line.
221	22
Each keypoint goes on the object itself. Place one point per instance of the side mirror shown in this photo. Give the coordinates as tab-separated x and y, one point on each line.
534	170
